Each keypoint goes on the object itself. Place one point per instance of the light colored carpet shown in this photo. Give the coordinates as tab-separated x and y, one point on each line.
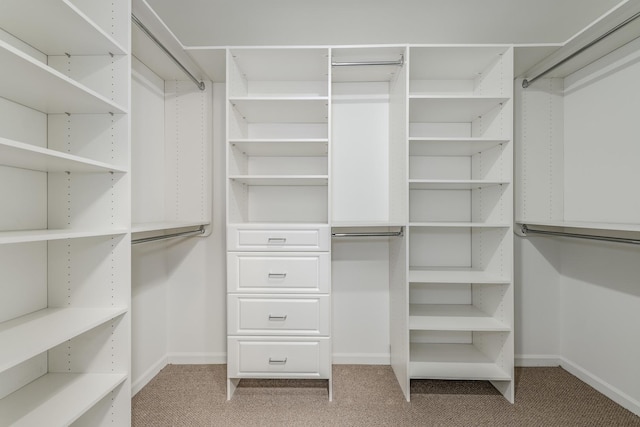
194	395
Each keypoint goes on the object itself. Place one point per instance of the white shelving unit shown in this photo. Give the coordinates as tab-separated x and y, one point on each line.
460	254
278	274
64	233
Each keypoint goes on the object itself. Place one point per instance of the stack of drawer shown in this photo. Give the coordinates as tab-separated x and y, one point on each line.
279	303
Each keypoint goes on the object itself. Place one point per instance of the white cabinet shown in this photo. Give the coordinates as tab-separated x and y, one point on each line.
278	238
64	240
460	314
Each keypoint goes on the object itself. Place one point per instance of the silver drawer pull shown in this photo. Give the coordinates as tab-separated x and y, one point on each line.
277	361
282	318
277	275
277	240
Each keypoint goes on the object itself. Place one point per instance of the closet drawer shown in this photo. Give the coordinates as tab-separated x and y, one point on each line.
282	315
278	358
285	272
281	238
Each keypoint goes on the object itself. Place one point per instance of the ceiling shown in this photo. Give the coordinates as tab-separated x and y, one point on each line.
345	22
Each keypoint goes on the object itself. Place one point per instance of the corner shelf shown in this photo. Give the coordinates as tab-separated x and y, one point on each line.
46	329
57	399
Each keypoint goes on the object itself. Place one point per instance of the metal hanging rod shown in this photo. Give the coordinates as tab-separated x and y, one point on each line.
399	63
526	230
200	230
165	50
527	82
372	234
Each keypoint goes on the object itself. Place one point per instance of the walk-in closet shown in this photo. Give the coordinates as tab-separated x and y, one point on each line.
218	213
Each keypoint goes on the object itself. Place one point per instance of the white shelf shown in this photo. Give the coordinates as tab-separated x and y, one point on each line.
450	109
452	317
38	86
281	109
26	236
605	226
455	275
57	399
26	156
453	63
164	225
56	27
316	147
275	180
449	184
27	336
298	65
424	146
457	225
453	361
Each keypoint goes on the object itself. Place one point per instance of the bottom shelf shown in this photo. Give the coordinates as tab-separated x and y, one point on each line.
453	362
56	399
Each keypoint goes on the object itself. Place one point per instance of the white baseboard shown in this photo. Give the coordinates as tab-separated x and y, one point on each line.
197	358
361	359
139	383
537	360
602	386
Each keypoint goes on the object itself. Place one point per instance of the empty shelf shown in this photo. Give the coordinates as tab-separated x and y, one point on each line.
56	27
282	109
453	361
25	236
444	184
38	86
20	155
56	399
451	146
450	109
455	276
282	148
32	334
452	317
275	180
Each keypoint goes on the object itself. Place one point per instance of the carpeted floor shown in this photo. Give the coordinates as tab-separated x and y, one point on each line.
194	395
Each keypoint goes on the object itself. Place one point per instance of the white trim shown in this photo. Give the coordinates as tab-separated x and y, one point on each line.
148	375
602	386
197	358
361	359
537	360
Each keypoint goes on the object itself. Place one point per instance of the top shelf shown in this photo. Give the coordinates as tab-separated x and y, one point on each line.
453	63
56	27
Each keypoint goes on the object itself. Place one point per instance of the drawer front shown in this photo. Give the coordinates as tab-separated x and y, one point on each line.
243	238
256	273
286	315
258	358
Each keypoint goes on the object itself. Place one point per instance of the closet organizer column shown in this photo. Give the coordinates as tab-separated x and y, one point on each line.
278	261
64	223
460	214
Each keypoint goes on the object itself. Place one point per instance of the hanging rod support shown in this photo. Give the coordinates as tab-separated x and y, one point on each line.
372	234
165	50
526	230
399	63
200	230
527	82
